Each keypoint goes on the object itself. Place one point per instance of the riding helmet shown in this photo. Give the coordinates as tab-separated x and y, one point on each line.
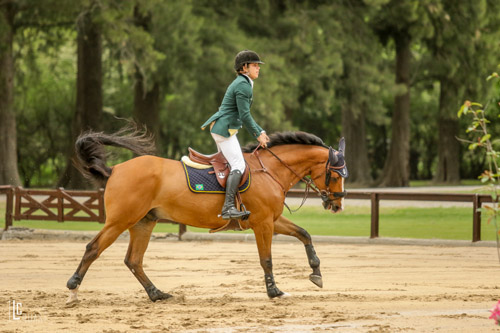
246	57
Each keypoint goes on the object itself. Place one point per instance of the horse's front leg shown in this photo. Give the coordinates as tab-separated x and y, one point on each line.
264	236
286	227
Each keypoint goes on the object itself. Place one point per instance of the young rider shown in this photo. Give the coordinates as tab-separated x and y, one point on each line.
234	113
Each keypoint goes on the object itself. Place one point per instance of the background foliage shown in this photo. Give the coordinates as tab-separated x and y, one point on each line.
330	69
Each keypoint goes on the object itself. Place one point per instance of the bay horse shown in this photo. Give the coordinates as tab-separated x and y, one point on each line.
143	189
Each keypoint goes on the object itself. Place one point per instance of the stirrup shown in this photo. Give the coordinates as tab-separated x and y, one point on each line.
233	213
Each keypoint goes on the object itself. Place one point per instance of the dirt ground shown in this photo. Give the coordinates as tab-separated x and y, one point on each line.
219	287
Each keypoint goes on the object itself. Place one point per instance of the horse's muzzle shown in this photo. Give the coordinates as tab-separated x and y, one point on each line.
331	204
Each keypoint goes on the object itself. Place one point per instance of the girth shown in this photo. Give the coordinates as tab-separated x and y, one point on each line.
220	165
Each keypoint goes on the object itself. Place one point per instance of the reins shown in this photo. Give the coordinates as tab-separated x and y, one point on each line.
264	169
308	181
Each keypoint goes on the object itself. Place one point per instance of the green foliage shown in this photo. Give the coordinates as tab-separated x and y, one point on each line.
482	138
44	115
320	56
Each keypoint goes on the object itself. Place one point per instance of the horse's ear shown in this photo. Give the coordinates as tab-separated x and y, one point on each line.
332	157
342	146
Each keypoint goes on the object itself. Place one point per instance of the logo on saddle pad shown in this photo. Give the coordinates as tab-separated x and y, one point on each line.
199	187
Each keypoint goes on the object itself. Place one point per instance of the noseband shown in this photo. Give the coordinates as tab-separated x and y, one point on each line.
331	166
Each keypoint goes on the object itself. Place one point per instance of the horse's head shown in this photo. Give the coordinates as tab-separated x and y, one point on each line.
330	179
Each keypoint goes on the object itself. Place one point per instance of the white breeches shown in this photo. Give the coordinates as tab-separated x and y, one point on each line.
231	149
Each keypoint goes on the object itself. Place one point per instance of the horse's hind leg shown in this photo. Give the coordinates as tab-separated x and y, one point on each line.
139	240
284	226
101	241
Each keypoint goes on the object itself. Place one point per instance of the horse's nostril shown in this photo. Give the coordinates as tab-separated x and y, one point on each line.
336	207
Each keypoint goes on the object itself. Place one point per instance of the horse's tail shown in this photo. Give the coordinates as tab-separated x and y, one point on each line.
91	155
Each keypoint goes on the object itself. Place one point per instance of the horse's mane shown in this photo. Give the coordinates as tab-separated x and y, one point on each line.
288	138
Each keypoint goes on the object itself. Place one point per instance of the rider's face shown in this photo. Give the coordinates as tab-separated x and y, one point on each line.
252	70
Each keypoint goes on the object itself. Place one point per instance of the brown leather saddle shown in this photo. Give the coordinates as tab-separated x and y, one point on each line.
220	165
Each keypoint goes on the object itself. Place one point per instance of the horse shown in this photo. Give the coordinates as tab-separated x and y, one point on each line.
145	188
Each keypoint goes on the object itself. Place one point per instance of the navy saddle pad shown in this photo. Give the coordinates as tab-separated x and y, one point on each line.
204	181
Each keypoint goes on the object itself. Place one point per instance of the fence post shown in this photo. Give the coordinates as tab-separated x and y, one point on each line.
182	230
374	197
476	218
60	205
9	207
17	206
102	211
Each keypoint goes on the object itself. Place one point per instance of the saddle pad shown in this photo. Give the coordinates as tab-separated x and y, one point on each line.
201	181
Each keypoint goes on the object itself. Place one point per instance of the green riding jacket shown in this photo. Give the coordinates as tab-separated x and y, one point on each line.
234	111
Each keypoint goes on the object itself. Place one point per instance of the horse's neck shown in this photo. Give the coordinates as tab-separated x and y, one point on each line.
296	162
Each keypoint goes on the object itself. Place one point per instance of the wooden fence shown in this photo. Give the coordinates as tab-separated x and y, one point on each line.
375	197
65	205
57	205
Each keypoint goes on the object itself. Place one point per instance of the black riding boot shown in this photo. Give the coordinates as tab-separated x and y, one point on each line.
229	210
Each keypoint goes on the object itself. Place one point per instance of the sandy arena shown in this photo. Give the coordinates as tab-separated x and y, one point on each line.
218	287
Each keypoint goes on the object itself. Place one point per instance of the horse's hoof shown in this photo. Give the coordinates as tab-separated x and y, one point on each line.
278	294
72	303
274	292
73	298
159	295
317	280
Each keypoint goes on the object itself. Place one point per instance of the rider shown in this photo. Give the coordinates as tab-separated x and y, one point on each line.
234	113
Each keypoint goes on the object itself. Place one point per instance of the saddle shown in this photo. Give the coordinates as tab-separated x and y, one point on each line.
220	165
221	170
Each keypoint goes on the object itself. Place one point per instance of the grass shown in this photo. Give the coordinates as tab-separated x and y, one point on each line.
463	182
407	222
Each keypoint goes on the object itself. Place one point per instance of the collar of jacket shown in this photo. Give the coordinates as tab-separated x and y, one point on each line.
249	80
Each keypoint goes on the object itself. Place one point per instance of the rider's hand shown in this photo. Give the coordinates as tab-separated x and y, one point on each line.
263	139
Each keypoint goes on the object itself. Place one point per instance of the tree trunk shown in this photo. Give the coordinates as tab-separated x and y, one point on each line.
354	132
146	101
88	95
448	167
9	174
396	169
146	107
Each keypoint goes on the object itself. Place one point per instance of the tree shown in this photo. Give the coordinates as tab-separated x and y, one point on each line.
88	109
449	64
303	45
167	63
400	22
8	137
396	169
458	50
146	97
112	21
174	51
360	88
18	16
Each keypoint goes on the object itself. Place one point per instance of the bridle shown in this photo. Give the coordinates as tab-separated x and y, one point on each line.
310	184
331	166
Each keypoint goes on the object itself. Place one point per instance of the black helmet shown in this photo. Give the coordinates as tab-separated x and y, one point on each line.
246	57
